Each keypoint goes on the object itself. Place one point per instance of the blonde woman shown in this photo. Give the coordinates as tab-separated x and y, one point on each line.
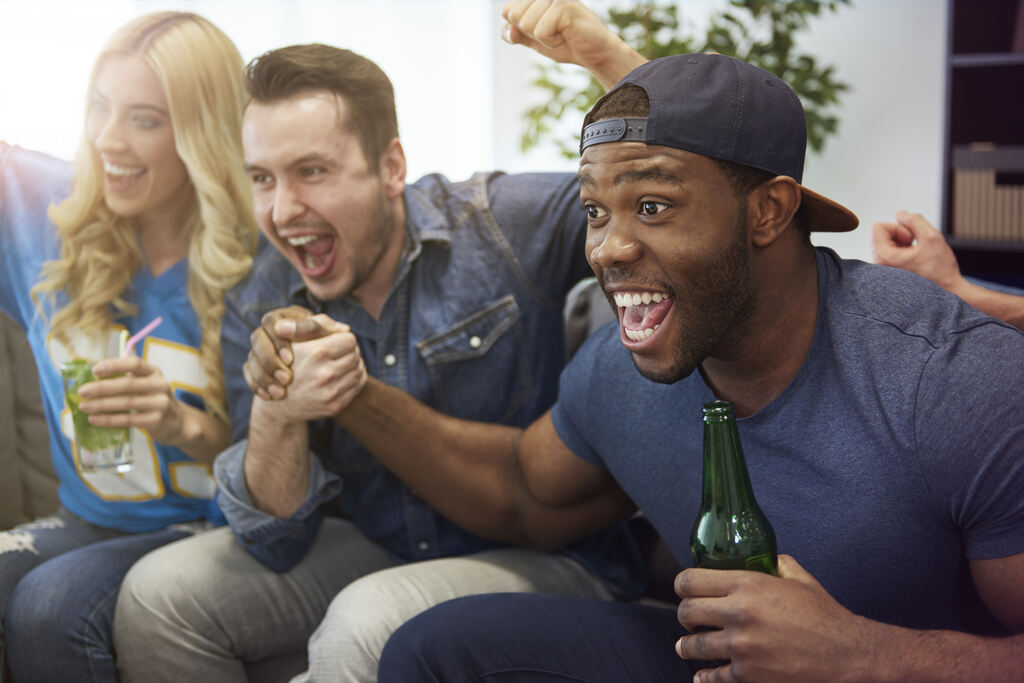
154	219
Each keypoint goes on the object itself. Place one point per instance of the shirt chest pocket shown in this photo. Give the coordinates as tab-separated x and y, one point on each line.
479	366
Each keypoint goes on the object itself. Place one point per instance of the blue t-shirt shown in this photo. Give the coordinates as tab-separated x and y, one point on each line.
164	486
894	455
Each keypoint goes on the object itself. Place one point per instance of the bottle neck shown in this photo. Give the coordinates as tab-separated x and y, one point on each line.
726	480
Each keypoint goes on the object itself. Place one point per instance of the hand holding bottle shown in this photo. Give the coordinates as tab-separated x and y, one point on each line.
785	628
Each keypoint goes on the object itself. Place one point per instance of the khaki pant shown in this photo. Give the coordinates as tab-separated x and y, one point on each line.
195	610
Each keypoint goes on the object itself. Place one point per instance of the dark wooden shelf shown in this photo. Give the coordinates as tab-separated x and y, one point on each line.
984	104
988	245
988	59
996	261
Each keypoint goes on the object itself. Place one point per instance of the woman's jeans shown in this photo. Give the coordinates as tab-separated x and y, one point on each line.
59	578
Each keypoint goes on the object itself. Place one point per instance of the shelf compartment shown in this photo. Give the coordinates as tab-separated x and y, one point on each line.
988	193
987	26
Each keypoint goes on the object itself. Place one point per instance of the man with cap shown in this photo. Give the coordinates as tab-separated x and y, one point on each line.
880	417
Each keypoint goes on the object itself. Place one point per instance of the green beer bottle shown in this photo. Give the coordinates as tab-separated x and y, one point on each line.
731	531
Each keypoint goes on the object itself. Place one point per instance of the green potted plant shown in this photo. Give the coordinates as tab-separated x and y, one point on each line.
762	32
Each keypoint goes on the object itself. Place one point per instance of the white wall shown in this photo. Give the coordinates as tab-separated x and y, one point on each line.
888	152
461	91
436	52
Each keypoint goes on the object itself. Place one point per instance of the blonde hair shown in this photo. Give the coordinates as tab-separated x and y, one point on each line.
201	72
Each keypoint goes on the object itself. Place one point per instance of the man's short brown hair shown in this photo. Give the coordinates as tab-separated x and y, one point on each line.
365	89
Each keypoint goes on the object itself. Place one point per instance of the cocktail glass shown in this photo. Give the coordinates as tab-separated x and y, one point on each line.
97	449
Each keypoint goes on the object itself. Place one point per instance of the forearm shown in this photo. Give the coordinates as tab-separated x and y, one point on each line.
1000	305
618	61
276	543
203	436
909	656
471	472
466	470
276	461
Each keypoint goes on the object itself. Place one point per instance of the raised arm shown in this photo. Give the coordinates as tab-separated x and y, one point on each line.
568	32
913	244
499	482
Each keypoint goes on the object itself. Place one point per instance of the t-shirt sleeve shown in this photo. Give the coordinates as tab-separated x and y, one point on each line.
572	409
543	221
30	183
969	427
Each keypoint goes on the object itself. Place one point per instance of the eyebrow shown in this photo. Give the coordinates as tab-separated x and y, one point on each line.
147	107
313	157
654	173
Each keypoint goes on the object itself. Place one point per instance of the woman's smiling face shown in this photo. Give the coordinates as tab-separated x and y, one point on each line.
129	124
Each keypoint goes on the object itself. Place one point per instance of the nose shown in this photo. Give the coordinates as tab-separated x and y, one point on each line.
614	245
108	137
288	204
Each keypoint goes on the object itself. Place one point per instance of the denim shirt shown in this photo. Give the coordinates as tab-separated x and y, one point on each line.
473	327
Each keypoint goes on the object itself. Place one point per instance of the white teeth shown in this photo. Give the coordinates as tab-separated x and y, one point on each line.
308	260
122	170
299	241
640	335
626	299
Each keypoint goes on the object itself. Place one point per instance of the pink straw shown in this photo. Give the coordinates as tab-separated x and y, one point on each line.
134	339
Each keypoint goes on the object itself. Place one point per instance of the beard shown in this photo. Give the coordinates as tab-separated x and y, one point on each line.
367	242
713	304
374	244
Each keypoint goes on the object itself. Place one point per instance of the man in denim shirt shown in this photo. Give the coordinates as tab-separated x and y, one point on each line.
450	292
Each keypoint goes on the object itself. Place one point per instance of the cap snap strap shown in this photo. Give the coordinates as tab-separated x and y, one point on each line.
614	130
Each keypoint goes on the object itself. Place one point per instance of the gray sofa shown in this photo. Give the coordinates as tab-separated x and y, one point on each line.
28	485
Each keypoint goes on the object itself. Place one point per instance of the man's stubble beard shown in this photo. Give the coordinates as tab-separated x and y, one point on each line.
724	292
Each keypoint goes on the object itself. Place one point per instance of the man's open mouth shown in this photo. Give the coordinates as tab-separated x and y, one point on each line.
641	312
315	252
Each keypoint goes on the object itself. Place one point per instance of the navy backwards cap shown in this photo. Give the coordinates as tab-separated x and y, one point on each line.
724	108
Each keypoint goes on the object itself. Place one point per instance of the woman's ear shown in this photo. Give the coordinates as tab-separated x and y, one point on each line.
392	168
771	207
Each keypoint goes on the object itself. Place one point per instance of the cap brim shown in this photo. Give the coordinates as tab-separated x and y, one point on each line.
824	215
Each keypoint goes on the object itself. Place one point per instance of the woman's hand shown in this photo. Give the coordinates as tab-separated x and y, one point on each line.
129	392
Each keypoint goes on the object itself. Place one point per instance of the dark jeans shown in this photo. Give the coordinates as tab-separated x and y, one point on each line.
59	578
513	637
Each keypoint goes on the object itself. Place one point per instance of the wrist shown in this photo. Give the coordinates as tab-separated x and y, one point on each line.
190	431
961	287
366	405
268	423
200	435
269	413
616	63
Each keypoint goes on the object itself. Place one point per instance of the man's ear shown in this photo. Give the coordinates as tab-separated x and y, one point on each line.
392	168
771	208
